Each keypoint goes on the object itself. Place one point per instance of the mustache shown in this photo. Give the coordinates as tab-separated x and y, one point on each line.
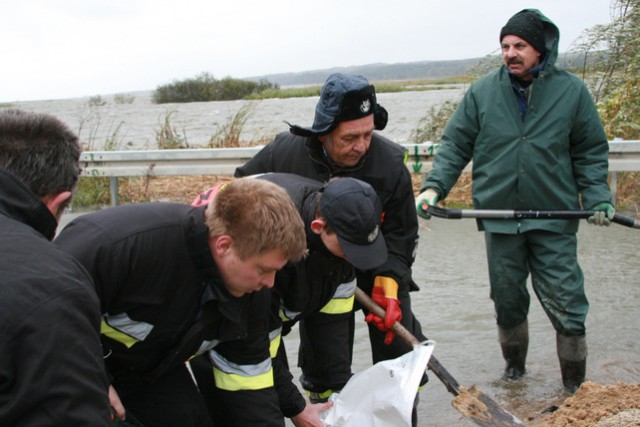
514	61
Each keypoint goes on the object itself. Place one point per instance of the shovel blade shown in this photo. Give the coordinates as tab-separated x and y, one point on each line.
482	410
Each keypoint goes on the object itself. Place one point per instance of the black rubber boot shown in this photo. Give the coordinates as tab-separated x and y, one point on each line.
514	343
572	354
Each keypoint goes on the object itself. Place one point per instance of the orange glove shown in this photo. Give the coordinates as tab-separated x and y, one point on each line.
385	294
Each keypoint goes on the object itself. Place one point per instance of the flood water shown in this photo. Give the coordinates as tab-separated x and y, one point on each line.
135	125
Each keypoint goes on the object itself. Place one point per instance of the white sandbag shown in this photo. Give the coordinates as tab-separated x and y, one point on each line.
382	395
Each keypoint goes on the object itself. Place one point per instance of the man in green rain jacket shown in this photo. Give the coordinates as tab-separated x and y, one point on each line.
536	142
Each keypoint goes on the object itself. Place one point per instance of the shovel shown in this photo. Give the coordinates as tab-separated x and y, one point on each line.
523	214
471	402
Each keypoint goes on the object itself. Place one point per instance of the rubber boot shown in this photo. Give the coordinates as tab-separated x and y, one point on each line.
514	343
572	354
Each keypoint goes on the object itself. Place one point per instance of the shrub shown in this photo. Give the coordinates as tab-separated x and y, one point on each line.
205	87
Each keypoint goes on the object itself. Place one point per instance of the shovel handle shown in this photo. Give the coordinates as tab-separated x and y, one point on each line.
403	333
472	403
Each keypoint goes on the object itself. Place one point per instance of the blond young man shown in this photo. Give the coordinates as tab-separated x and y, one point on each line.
175	281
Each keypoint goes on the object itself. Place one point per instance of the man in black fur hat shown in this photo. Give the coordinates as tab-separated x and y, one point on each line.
342	142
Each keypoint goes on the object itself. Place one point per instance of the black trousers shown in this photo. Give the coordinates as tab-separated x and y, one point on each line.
326	343
172	401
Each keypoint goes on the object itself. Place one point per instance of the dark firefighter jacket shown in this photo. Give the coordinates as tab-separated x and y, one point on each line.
163	302
51	369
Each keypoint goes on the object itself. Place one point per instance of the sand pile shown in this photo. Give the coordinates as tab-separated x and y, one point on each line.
596	405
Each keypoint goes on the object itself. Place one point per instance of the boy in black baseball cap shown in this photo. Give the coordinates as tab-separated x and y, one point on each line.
353	211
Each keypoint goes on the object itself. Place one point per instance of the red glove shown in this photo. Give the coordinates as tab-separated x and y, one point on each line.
385	294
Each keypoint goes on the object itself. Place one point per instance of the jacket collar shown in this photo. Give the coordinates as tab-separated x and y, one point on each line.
198	243
19	203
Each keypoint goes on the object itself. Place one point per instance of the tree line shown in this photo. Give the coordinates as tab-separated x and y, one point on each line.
205	87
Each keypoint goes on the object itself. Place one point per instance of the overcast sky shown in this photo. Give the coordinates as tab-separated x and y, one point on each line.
70	48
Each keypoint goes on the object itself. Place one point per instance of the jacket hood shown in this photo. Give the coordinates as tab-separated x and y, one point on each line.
551	37
19	203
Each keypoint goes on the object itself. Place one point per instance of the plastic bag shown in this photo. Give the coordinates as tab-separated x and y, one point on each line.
383	394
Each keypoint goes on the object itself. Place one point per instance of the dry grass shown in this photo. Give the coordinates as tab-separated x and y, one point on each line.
183	189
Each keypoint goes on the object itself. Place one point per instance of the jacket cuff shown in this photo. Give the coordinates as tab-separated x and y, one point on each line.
294	408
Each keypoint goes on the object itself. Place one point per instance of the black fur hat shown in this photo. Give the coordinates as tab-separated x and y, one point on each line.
342	98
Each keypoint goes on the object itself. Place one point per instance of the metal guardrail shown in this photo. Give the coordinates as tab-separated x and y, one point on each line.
201	161
623	156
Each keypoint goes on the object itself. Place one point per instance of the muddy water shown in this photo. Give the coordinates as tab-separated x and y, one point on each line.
135	125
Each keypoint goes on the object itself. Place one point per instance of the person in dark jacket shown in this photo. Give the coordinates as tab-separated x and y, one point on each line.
536	142
51	369
175	281
342	142
342	222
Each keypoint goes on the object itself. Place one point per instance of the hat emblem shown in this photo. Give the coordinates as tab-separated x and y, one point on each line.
365	106
372	236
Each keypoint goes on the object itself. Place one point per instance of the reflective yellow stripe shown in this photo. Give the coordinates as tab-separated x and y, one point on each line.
338	306
233	376
116	335
235	382
274	344
324	395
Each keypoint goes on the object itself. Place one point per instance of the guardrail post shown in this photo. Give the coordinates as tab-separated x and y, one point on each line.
614	188
113	187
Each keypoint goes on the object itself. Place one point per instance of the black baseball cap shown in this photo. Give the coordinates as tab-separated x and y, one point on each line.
353	210
343	97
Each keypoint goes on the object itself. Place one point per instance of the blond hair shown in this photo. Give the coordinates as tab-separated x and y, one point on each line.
260	216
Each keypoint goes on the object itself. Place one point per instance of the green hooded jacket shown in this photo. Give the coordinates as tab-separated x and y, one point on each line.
556	159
